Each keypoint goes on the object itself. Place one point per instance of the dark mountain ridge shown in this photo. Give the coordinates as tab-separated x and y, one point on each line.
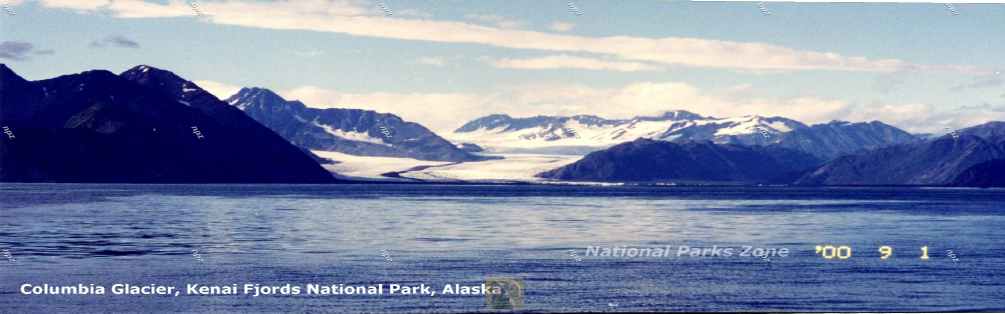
96	126
650	160
837	138
940	161
990	173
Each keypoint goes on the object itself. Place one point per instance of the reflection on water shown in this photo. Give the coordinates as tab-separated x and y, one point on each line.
65	233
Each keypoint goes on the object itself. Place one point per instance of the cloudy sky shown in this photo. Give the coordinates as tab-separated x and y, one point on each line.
922	67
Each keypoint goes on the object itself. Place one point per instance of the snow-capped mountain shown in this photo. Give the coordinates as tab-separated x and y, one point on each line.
584	133
503	133
349	131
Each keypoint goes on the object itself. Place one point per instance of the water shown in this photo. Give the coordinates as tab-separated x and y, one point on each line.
65	234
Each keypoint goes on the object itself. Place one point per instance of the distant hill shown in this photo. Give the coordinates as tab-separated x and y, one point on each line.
146	125
651	160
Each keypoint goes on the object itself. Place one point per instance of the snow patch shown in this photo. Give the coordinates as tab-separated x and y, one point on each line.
780	126
186	89
370	166
738	129
351	135
572	133
513	167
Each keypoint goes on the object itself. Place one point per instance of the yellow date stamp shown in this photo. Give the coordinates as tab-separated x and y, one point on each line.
843	252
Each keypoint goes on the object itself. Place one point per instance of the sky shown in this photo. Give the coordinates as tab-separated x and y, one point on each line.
920	67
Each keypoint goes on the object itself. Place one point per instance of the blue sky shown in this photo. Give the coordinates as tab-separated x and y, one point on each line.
917	66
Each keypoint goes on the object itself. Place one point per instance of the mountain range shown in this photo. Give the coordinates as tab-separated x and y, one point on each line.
971	157
940	161
351	131
150	125
502	133
145	125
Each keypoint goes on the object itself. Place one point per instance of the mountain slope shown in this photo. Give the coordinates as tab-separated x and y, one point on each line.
934	162
831	140
350	131
986	174
651	160
993	131
96	126
990	173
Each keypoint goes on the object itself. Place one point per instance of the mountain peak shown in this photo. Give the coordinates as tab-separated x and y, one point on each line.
258	92
258	96
674	115
143	71
498	115
5	70
757	117
991	129
168	83
7	76
163	80
488	122
989	124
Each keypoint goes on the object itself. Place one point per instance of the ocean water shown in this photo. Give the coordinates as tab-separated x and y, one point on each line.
174	235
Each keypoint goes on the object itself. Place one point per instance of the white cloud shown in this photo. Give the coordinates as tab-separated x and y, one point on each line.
438	111
142	9
560	26
614	53
913	113
571	62
359	19
444	112
413	13
920	117
434	61
500	21
79	5
218	89
648	98
125	8
309	53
